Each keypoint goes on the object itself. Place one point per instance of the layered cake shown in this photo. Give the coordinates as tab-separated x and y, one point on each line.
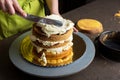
52	45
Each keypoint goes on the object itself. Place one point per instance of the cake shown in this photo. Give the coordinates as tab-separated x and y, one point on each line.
52	45
90	26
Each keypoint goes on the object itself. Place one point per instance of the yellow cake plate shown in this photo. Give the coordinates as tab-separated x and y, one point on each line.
26	49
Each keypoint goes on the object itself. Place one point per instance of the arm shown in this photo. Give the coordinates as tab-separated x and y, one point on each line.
11	6
53	6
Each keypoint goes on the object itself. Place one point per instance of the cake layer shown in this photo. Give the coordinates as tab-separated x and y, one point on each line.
55	37
53	56
36	43
54	50
49	43
55	62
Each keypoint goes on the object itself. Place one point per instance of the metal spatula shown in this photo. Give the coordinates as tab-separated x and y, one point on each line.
43	20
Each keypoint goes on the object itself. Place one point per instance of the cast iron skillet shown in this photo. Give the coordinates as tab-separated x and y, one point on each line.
108	44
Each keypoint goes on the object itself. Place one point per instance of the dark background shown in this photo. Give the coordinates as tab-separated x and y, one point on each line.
67	5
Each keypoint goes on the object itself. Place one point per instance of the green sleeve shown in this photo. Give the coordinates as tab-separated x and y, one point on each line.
12	24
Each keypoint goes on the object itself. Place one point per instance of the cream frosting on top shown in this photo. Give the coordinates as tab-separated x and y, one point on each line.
52	29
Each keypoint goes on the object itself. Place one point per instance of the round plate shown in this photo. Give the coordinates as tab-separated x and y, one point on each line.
84	52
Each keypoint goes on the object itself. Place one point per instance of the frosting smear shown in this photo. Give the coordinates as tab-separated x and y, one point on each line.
52	29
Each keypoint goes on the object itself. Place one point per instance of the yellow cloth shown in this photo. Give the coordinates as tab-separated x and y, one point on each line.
12	24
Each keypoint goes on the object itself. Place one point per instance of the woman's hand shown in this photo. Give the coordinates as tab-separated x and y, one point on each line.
75	30
11	7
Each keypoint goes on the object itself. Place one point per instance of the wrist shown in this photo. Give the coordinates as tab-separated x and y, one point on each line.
55	12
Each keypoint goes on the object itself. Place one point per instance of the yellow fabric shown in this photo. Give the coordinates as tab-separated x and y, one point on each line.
12	24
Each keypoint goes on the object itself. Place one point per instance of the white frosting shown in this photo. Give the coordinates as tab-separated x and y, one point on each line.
43	59
52	29
54	50
49	43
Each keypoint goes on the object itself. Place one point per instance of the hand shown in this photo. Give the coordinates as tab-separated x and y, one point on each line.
11	6
75	30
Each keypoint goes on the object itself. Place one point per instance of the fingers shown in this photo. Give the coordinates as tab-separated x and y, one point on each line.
2	5
18	8
7	6
75	30
11	6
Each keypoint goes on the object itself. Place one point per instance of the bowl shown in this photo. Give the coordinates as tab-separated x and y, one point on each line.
109	44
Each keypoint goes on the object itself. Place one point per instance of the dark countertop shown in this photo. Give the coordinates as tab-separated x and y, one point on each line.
99	69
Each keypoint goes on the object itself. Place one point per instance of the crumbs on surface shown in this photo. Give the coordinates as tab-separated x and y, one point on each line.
117	14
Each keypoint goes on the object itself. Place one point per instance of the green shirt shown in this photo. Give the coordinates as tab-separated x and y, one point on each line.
12	24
